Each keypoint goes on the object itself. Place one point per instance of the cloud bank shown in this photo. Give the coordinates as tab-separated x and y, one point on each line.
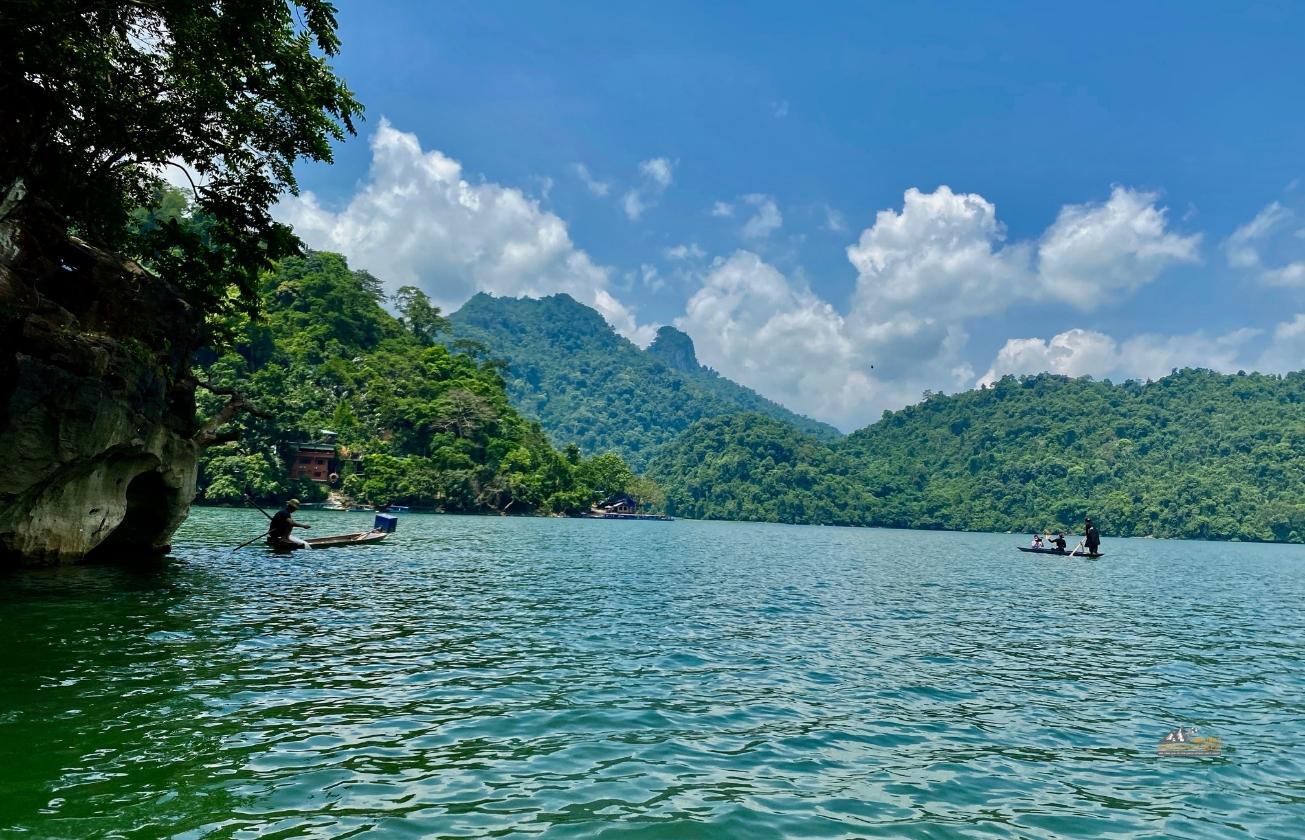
1147	356
924	271
417	220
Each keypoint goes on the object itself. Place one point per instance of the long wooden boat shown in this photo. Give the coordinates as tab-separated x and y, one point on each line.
1060	552
359	538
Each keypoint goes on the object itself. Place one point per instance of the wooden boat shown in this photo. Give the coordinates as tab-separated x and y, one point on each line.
1060	552
359	538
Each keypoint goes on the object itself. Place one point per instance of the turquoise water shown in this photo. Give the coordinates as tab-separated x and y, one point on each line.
476	677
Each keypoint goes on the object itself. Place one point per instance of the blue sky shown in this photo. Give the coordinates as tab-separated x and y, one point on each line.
947	192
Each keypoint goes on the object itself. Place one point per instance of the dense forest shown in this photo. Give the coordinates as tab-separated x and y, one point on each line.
426	405
587	385
753	467
430	426
1195	454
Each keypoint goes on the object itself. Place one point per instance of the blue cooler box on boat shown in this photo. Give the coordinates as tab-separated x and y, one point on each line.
386	523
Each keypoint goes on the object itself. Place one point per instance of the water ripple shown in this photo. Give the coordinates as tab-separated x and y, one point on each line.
477	677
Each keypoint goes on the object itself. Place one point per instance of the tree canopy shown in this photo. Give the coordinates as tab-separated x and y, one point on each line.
1196	454
98	97
428	426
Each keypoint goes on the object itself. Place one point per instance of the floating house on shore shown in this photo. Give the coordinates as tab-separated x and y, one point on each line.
321	460
622	507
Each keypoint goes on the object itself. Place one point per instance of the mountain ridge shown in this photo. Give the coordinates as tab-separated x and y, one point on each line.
1196	454
584	383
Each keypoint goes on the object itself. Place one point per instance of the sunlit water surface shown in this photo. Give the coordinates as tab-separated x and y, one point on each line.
476	677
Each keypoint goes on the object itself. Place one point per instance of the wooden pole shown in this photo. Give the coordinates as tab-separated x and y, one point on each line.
243	544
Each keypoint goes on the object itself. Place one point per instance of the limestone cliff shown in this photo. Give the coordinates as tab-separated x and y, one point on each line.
675	349
97	439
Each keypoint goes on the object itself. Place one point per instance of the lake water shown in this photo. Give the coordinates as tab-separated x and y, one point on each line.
476	677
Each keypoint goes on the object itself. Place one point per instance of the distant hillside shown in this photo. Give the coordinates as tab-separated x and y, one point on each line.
586	384
424	426
1195	454
752	467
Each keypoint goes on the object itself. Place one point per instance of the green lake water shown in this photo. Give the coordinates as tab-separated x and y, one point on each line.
477	677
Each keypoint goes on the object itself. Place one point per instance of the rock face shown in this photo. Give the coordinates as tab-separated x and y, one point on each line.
97	410
675	349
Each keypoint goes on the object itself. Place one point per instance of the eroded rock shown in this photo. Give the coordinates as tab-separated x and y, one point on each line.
97	407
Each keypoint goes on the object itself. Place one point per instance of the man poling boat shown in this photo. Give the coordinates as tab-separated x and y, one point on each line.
282	539
1091	537
280	534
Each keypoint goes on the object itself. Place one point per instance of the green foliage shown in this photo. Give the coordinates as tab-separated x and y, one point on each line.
433	428
587	385
100	96
419	315
1195	454
753	467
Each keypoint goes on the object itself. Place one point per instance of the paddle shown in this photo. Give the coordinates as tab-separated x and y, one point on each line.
257	508
1076	548
242	545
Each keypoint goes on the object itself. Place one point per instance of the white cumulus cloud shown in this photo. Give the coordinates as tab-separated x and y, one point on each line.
417	220
1147	356
658	171
1243	246
765	219
1096	250
950	248
595	186
1286	350
691	251
924	272
1291	274
942	255
656	174
1270	246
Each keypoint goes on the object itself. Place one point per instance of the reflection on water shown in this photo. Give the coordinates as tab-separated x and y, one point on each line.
475	676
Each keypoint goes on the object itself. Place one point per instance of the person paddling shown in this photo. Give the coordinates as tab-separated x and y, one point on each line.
1059	541
283	525
1091	537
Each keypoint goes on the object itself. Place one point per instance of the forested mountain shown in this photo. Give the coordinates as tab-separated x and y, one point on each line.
432	427
586	384
1195	454
753	467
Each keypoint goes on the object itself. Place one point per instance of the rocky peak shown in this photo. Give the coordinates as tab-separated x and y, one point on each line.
675	349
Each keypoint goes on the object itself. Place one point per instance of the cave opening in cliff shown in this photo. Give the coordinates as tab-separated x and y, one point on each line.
148	502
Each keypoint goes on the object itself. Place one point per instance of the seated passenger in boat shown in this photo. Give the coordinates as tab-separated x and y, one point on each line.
283	525
1059	541
1037	541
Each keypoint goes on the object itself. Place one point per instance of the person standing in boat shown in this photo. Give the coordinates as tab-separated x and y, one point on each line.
283	525
1091	537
